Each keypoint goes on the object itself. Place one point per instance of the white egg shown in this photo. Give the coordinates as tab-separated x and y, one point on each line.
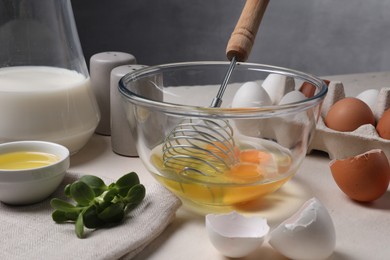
308	234
235	235
370	97
277	86
291	97
251	94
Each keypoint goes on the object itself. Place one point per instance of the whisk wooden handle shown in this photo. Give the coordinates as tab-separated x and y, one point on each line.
243	37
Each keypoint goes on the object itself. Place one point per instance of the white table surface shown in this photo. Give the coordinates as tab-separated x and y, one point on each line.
362	229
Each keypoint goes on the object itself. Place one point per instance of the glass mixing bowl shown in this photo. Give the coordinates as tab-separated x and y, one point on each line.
220	157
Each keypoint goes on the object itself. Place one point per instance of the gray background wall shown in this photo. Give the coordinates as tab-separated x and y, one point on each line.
322	37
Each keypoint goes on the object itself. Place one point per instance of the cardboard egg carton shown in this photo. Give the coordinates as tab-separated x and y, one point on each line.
340	145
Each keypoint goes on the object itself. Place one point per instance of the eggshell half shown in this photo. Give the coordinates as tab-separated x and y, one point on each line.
364	177
308	234
235	235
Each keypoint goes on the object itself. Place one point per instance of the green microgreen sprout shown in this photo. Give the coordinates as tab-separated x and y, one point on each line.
95	204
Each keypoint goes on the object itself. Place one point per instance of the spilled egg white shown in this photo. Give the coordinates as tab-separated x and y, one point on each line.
251	94
235	235
277	86
308	234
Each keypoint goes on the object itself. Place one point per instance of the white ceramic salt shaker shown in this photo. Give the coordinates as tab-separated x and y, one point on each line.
100	67
122	141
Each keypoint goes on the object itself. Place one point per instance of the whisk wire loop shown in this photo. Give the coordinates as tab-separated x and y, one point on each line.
203	147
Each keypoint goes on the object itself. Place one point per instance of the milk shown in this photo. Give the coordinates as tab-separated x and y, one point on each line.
47	103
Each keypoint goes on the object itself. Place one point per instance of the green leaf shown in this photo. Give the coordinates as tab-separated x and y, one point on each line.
129	179
122	191
126	182
72	216
67	190
113	213
110	195
91	219
62	216
59	216
95	183
101	206
136	194
79	226
62	205
81	193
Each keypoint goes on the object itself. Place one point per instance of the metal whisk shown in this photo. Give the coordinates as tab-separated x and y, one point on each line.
203	147
206	146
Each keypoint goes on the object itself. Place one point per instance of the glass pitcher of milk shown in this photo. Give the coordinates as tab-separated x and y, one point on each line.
45	91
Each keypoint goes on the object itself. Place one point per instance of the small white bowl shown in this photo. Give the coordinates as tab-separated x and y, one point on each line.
31	185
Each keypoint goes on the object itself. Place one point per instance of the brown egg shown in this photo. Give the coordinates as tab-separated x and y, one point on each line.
383	126
309	89
364	177
348	114
326	81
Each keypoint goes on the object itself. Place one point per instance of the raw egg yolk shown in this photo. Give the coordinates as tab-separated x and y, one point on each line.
244	172
254	156
248	169
220	149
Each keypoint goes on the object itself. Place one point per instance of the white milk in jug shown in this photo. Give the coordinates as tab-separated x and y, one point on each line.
47	103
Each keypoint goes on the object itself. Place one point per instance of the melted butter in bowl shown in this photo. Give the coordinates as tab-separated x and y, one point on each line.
31	170
26	160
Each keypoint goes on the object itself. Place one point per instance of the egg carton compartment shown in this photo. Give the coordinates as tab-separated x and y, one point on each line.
340	145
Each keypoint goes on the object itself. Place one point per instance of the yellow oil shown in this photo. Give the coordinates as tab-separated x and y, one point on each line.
258	173
26	160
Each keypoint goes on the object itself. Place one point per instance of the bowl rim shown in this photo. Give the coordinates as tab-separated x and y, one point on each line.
223	112
32	174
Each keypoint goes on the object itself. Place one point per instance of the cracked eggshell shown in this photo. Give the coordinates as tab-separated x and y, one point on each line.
308	234
364	177
251	94
235	235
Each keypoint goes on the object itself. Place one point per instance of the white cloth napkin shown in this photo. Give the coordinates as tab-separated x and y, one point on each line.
28	232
